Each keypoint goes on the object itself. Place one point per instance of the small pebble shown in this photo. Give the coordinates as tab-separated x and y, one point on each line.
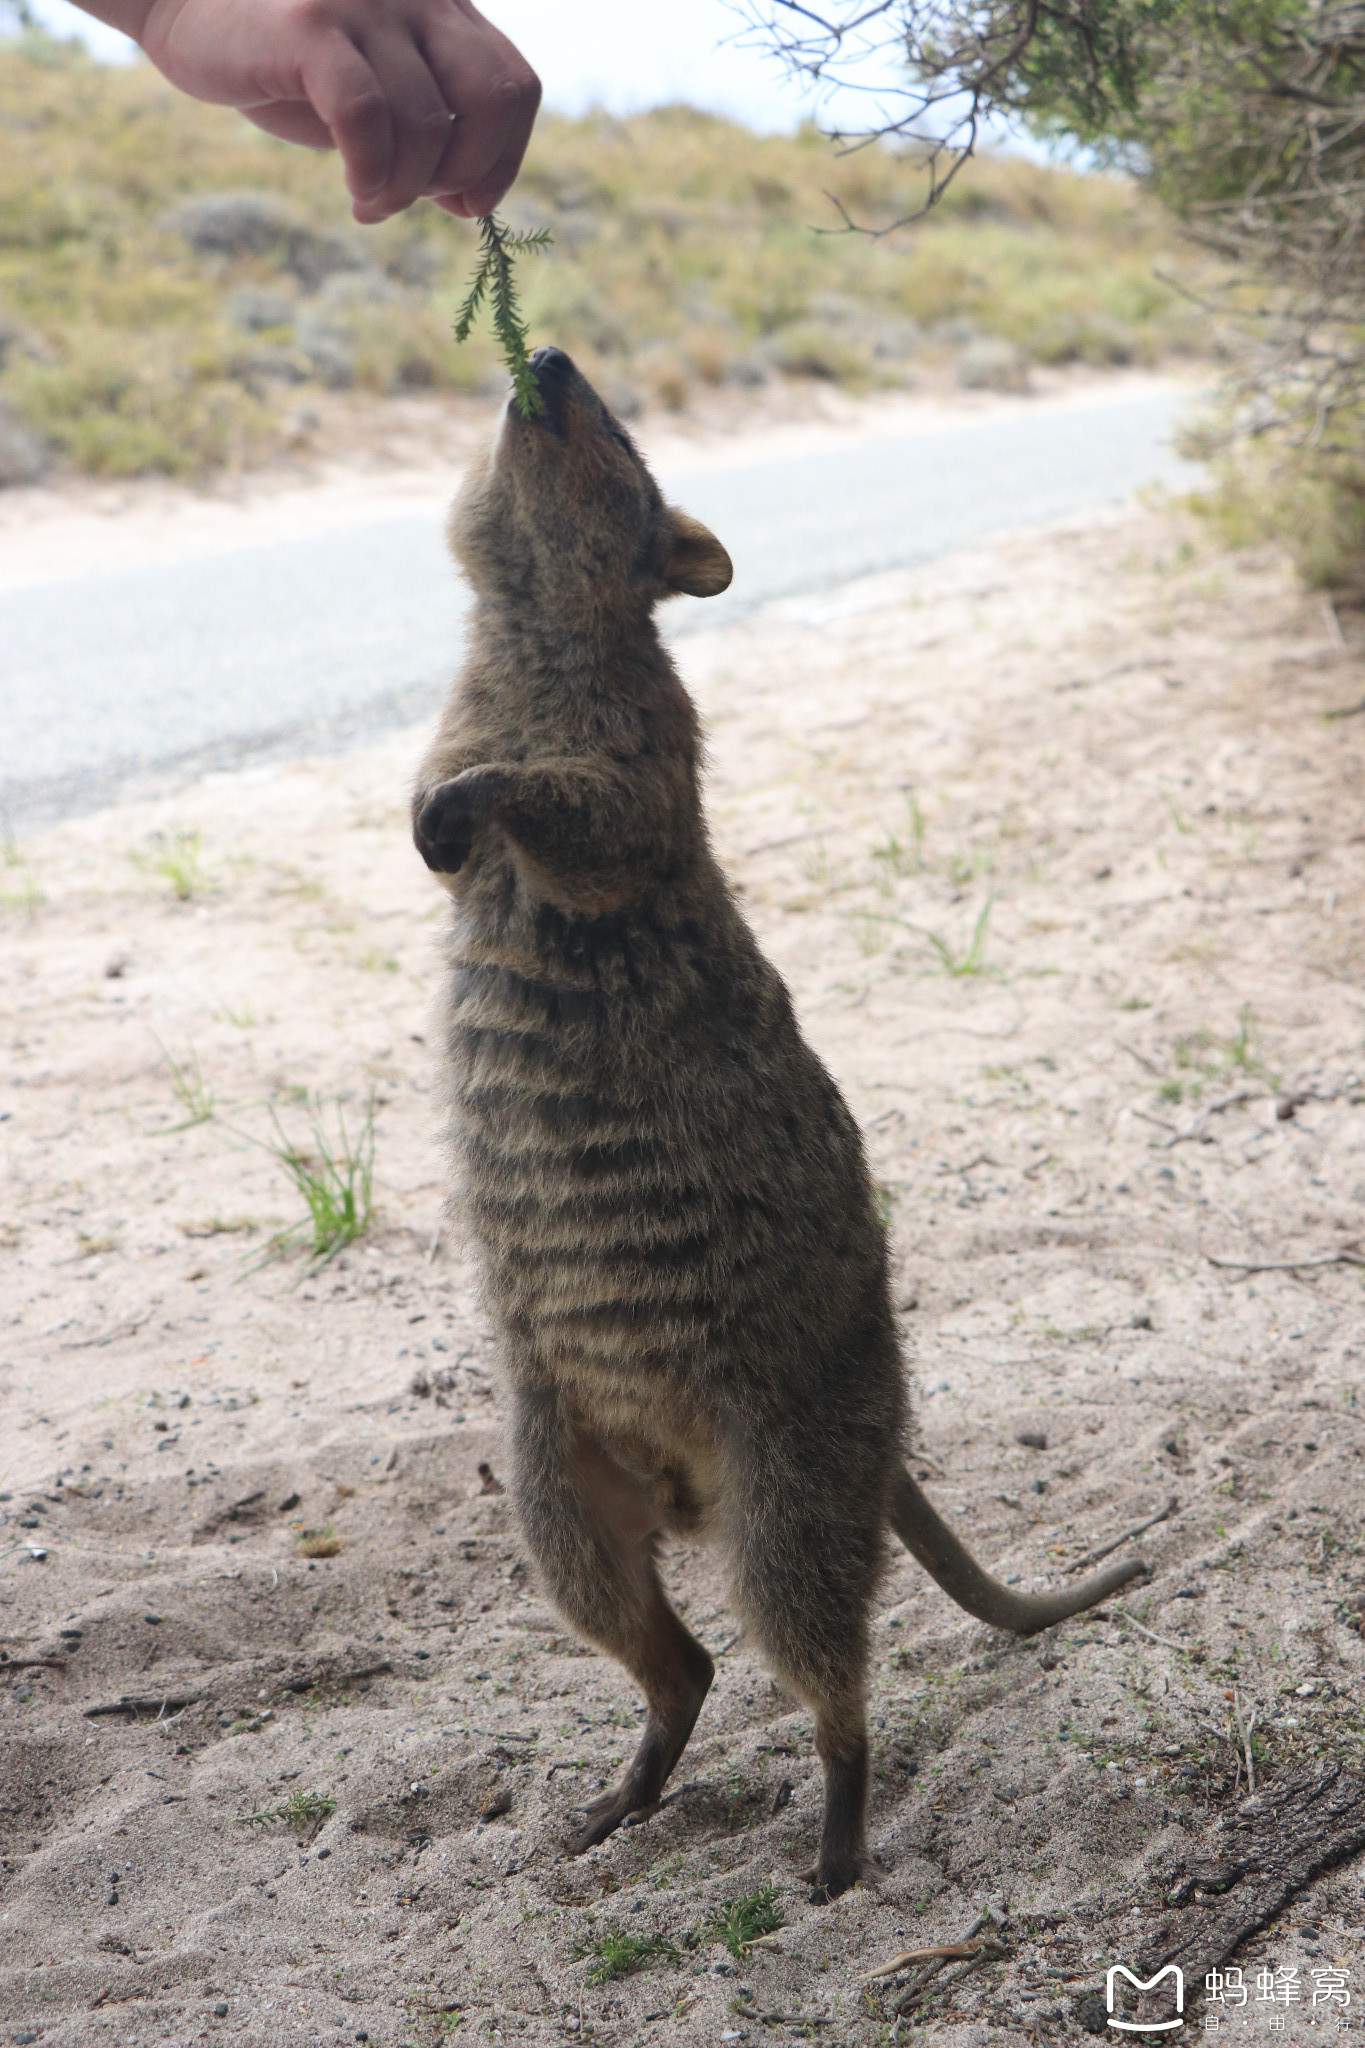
322	1853
220	2011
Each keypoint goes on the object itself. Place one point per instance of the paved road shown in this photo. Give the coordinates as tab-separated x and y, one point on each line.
128	681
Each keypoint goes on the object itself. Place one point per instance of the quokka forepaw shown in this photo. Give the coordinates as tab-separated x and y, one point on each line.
447	818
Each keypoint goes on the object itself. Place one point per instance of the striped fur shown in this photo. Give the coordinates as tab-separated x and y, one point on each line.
669	1197
667	1193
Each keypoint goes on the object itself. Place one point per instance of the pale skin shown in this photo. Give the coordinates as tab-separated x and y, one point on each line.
423	99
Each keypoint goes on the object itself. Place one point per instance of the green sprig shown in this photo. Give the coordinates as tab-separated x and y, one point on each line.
493	280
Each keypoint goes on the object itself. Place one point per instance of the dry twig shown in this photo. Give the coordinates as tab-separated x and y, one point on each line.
1348	1255
1192	1130
131	1704
1143	1630
943	1952
1079	1564
1245	1728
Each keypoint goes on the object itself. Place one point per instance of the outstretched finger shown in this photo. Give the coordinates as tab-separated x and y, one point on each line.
351	104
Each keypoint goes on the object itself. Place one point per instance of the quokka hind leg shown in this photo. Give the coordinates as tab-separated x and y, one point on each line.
841	1744
592	1530
805	1562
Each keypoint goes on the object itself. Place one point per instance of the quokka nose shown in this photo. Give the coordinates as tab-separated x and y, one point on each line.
549	363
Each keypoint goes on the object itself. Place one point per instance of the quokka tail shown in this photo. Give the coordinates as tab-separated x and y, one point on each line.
929	1540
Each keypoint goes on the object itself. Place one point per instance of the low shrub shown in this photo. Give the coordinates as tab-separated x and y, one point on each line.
169	275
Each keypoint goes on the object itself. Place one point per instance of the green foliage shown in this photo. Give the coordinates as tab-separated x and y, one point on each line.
683	257
493	280
740	1922
334	1177
1247	119
972	958
1308	497
304	1812
175	857
190	1088
1201	1057
620	1955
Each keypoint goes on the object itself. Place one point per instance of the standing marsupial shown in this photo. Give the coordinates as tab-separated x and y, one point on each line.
669	1199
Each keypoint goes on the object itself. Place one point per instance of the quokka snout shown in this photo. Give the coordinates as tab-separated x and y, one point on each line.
667	1193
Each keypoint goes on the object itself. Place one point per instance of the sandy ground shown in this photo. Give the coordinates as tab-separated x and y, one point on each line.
1101	751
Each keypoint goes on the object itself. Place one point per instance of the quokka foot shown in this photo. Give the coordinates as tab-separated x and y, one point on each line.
831	1877
607	1814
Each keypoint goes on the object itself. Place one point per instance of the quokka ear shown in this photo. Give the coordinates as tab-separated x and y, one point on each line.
697	564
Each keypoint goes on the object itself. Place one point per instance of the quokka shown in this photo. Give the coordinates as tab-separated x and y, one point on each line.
667	1193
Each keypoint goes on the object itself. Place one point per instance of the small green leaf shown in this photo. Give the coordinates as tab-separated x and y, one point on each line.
493	281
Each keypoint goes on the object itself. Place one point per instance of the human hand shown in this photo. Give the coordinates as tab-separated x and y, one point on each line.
423	98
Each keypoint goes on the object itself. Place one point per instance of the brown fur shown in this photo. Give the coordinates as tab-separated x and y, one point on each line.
668	1194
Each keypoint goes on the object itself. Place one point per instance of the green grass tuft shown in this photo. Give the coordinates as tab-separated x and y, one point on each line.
307	1809
190	1088
175	857
740	1922
304	1812
335	1177
621	1955
972	960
